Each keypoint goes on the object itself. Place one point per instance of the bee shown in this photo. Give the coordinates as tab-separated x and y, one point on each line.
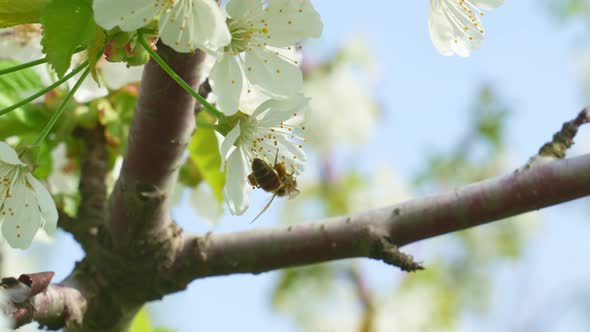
273	179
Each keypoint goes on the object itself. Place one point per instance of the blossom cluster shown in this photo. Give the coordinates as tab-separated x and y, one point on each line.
255	44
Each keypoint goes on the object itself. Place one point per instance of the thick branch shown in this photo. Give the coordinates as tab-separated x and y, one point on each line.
374	232
161	129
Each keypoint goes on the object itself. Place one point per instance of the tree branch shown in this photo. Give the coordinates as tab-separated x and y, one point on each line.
31	297
57	307
161	129
374	233
93	191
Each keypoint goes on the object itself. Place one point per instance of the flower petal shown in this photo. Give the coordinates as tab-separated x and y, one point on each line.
226	83
273	112
129	15
486	4
193	24
8	155
273	73
46	204
20	217
118	74
228	142
243	8
237	189
291	21
447	23
204	203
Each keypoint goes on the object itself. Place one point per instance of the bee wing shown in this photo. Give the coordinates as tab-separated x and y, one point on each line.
294	193
265	208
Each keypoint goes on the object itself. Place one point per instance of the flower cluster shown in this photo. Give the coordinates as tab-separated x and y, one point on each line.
184	25
455	25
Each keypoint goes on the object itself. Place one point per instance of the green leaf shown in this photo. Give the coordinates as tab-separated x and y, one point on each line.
13	12
67	24
141	322
95	48
204	153
13	88
18	83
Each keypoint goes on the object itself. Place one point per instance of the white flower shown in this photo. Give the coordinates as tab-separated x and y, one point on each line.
344	101
114	75
203	203
25	205
262	37
184	25
264	134
455	25
21	43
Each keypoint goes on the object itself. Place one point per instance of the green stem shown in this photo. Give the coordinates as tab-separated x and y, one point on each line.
22	66
44	91
215	112
60	109
201	124
31	64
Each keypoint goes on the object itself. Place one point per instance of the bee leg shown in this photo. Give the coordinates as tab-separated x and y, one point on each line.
252	180
265	208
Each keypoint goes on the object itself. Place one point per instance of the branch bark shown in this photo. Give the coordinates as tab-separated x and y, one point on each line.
56	307
161	129
368	233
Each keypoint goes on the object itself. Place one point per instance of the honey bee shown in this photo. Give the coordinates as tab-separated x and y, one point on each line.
272	179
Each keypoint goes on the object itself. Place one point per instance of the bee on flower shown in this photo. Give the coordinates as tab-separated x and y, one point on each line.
271	133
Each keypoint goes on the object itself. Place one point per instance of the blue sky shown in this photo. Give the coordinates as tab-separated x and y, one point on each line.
528	57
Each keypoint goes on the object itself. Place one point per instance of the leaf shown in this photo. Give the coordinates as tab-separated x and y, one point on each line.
13	12
204	153
67	24
141	322
95	48
13	88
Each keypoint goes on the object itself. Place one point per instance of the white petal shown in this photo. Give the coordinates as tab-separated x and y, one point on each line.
226	83
291	21
117	74
237	189
8	155
206	205
243	8
486	4
88	90
46	204
20	217
129	15
272	73
193	24
273	112
294	155
228	143
446	23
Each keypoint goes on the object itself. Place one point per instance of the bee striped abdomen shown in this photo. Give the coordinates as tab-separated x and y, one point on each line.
266	177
